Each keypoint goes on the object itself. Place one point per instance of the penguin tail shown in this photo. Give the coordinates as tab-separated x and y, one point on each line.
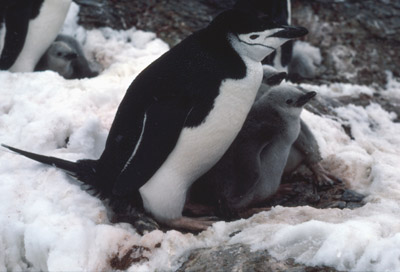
83	170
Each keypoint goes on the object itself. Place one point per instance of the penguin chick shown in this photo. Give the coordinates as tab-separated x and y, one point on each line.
65	56
305	150
305	61
252	168
58	58
180	115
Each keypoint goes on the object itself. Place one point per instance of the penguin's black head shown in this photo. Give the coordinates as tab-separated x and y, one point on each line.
278	9
252	33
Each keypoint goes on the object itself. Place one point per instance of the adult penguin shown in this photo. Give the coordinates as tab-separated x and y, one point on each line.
30	27
180	115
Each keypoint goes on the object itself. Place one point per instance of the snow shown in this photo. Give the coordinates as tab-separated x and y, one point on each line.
47	222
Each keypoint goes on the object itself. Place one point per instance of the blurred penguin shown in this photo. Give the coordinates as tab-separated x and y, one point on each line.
65	56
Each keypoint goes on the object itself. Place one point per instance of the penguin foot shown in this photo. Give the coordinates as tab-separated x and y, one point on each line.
322	176
191	224
195	209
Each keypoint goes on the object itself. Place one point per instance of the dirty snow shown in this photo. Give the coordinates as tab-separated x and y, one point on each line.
48	223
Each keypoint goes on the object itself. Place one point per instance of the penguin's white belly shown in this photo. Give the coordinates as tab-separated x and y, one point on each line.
199	148
41	33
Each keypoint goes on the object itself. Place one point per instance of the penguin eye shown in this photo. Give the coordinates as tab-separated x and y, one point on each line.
289	101
253	37
59	54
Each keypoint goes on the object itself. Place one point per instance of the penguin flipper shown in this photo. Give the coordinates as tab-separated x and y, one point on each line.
307	144
249	162
69	167
162	125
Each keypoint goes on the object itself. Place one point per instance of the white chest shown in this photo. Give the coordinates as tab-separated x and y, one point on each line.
41	33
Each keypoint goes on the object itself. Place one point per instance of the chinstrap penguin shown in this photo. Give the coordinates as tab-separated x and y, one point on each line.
65	56
31	26
252	168
180	115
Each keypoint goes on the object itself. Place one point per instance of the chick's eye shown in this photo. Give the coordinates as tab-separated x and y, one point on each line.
289	101
59	54
253	37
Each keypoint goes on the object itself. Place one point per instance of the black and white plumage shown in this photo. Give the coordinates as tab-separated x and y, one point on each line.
66	57
30	27
180	115
280	12
252	168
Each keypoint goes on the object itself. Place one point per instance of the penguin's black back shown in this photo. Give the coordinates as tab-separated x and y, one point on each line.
191	73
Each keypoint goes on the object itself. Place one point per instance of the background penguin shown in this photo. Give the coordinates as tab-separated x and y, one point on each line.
30	26
180	115
252	168
66	57
305	61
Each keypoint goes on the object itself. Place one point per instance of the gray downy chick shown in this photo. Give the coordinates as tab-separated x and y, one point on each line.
65	56
305	150
252	168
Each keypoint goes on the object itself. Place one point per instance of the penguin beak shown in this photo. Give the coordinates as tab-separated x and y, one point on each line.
304	99
275	79
71	56
291	32
90	3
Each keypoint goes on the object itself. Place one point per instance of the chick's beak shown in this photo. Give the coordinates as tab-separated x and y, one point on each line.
304	99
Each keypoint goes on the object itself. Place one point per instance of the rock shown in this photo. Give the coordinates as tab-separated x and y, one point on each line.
354	205
351	196
240	258
358	39
172	20
336	204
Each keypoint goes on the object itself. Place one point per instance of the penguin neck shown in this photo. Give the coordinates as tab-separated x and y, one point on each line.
254	53
217	44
